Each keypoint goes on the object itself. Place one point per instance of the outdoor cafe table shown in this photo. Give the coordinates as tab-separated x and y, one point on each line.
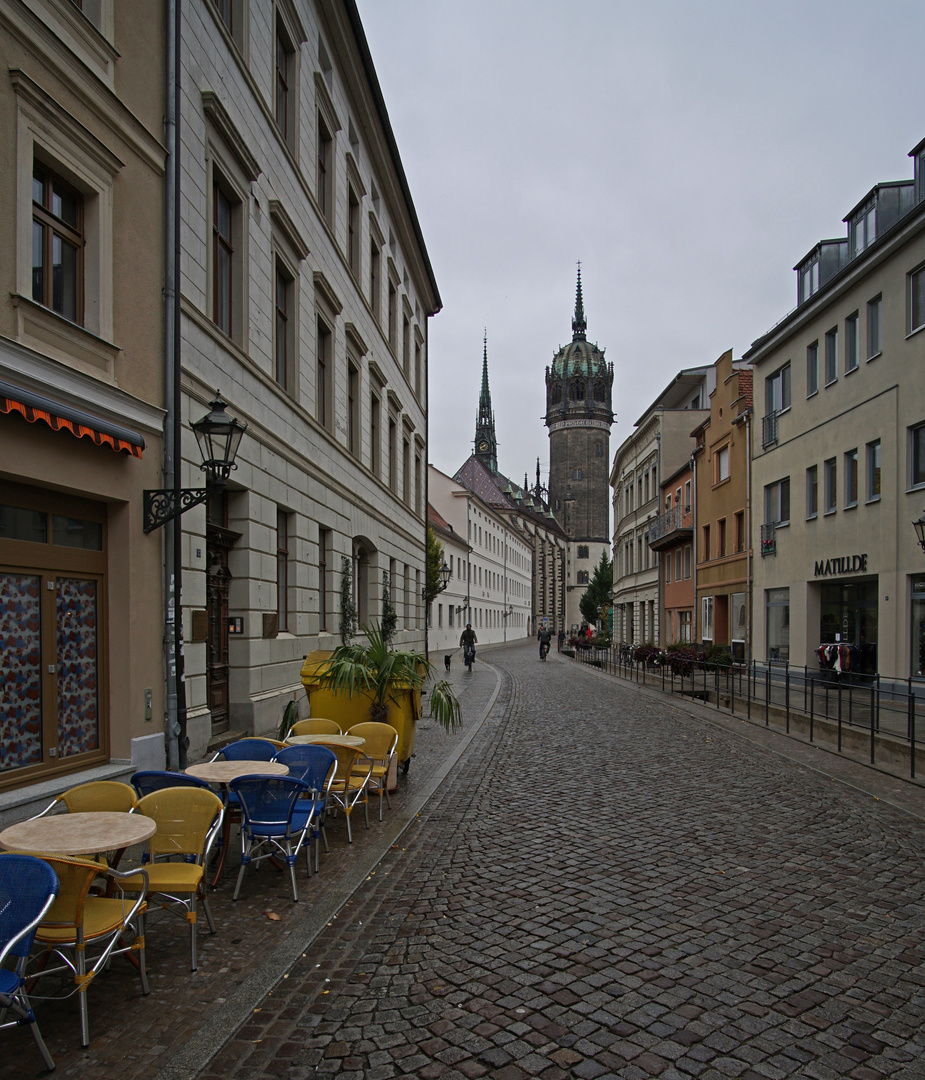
326	740
86	833
221	773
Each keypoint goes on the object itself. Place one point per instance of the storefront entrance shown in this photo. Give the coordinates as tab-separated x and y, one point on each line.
848	616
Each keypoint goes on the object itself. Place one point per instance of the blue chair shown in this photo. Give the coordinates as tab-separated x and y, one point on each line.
276	815
28	887
149	780
315	765
248	750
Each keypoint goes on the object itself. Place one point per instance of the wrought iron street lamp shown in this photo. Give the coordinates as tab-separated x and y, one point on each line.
219	436
445	572
919	527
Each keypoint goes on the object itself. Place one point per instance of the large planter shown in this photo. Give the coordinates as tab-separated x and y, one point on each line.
349	709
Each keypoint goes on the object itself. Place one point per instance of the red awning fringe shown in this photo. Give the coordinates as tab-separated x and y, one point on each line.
8	405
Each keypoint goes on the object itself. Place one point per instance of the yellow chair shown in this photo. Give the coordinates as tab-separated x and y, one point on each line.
349	784
188	820
78	920
94	796
316	725
379	747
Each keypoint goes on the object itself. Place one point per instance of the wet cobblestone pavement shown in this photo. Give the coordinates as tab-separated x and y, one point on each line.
605	884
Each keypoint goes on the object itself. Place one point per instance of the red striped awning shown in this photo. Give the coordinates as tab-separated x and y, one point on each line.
58	416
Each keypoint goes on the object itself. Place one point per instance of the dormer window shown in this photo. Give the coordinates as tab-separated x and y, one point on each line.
809	279
862	230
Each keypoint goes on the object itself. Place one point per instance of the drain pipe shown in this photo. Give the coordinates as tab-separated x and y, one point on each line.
173	625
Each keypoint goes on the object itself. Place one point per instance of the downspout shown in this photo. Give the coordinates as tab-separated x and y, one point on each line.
426	476
696	616
171	425
748	536
660	598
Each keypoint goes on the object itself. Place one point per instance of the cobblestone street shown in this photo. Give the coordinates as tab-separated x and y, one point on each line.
604	884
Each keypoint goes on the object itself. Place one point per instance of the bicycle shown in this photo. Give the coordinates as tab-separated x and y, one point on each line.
469	656
544	650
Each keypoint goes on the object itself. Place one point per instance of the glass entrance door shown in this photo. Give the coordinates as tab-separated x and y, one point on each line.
849	617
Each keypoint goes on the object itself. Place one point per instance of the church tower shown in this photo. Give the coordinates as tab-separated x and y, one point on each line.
486	444
579	415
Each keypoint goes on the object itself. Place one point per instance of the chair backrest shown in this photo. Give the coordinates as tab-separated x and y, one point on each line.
185	816
149	780
381	739
269	800
249	750
315	725
27	888
75	876
99	795
346	759
310	762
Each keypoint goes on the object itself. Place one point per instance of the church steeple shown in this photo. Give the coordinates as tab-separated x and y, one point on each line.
486	444
579	323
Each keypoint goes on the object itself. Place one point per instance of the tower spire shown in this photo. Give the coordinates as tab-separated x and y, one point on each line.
579	323
486	444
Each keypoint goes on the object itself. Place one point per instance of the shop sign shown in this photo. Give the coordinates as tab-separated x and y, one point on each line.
846	564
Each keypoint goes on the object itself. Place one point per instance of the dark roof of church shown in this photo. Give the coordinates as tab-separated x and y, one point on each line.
501	492
580	356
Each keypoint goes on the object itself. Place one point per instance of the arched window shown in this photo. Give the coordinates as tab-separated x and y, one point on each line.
555	394
600	390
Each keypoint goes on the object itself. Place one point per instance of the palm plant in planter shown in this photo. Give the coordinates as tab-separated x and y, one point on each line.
382	673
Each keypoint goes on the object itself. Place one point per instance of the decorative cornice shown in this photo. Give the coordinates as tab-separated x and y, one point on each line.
376	373
353	174
330	297
355	339
218	116
287	227
326	102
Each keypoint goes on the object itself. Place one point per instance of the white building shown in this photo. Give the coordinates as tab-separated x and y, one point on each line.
491	569
306	290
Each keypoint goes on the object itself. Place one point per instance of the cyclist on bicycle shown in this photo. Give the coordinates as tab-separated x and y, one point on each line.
468	641
545	639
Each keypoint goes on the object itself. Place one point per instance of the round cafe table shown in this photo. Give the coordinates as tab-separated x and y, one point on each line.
221	773
86	833
326	740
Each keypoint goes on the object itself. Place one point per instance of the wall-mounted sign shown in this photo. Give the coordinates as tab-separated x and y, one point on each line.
236	624
845	564
559	424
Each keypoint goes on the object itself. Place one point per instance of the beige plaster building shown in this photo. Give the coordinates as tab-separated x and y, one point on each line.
659	446
82	344
839	455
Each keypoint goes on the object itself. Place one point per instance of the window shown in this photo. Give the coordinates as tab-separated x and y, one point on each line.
224	9
831	356
874	345
706	618
812	491
809	280
392	315
353	410
687	496
353	232
582	577
323	375
282	345
375	433
418	367
862	231
582	551
705	549
678	564
668	569
406	347
812	369
684	626
57	244
688	559
324	554
324	174
851	478
721	465
721	538
873	471
917	299
418	473
406	471
223	261
777	603
831	485
917	455
777	390
282	570
777	502
393	450
852	342
285	64
375	287
740	530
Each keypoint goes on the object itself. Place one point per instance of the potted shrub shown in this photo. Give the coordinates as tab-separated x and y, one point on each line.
372	681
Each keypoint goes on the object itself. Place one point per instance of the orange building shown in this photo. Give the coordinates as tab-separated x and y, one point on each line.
672	536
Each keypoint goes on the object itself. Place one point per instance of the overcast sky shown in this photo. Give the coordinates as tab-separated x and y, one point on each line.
688	152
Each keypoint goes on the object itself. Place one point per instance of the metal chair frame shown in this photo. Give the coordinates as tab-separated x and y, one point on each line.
314	765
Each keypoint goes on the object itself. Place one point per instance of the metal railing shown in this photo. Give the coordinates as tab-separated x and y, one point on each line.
671	521
820	705
769	428
769	538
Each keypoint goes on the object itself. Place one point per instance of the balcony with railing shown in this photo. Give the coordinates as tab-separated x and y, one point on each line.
670	529
769	428
769	538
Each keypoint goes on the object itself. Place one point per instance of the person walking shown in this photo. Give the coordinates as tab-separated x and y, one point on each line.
468	641
560	641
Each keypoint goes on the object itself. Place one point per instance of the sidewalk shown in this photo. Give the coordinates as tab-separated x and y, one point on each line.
174	1031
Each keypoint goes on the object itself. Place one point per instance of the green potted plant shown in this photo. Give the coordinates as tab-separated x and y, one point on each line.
387	681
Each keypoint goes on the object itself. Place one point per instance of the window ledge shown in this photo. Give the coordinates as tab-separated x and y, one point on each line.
917	330
879	352
850	506
54	335
811	517
873	499
811	394
828	513
851	371
831	382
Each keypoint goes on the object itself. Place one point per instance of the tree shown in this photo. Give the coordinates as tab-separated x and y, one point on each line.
389	614
597	593
433	582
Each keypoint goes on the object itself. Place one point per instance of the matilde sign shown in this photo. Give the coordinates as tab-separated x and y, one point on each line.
847	564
